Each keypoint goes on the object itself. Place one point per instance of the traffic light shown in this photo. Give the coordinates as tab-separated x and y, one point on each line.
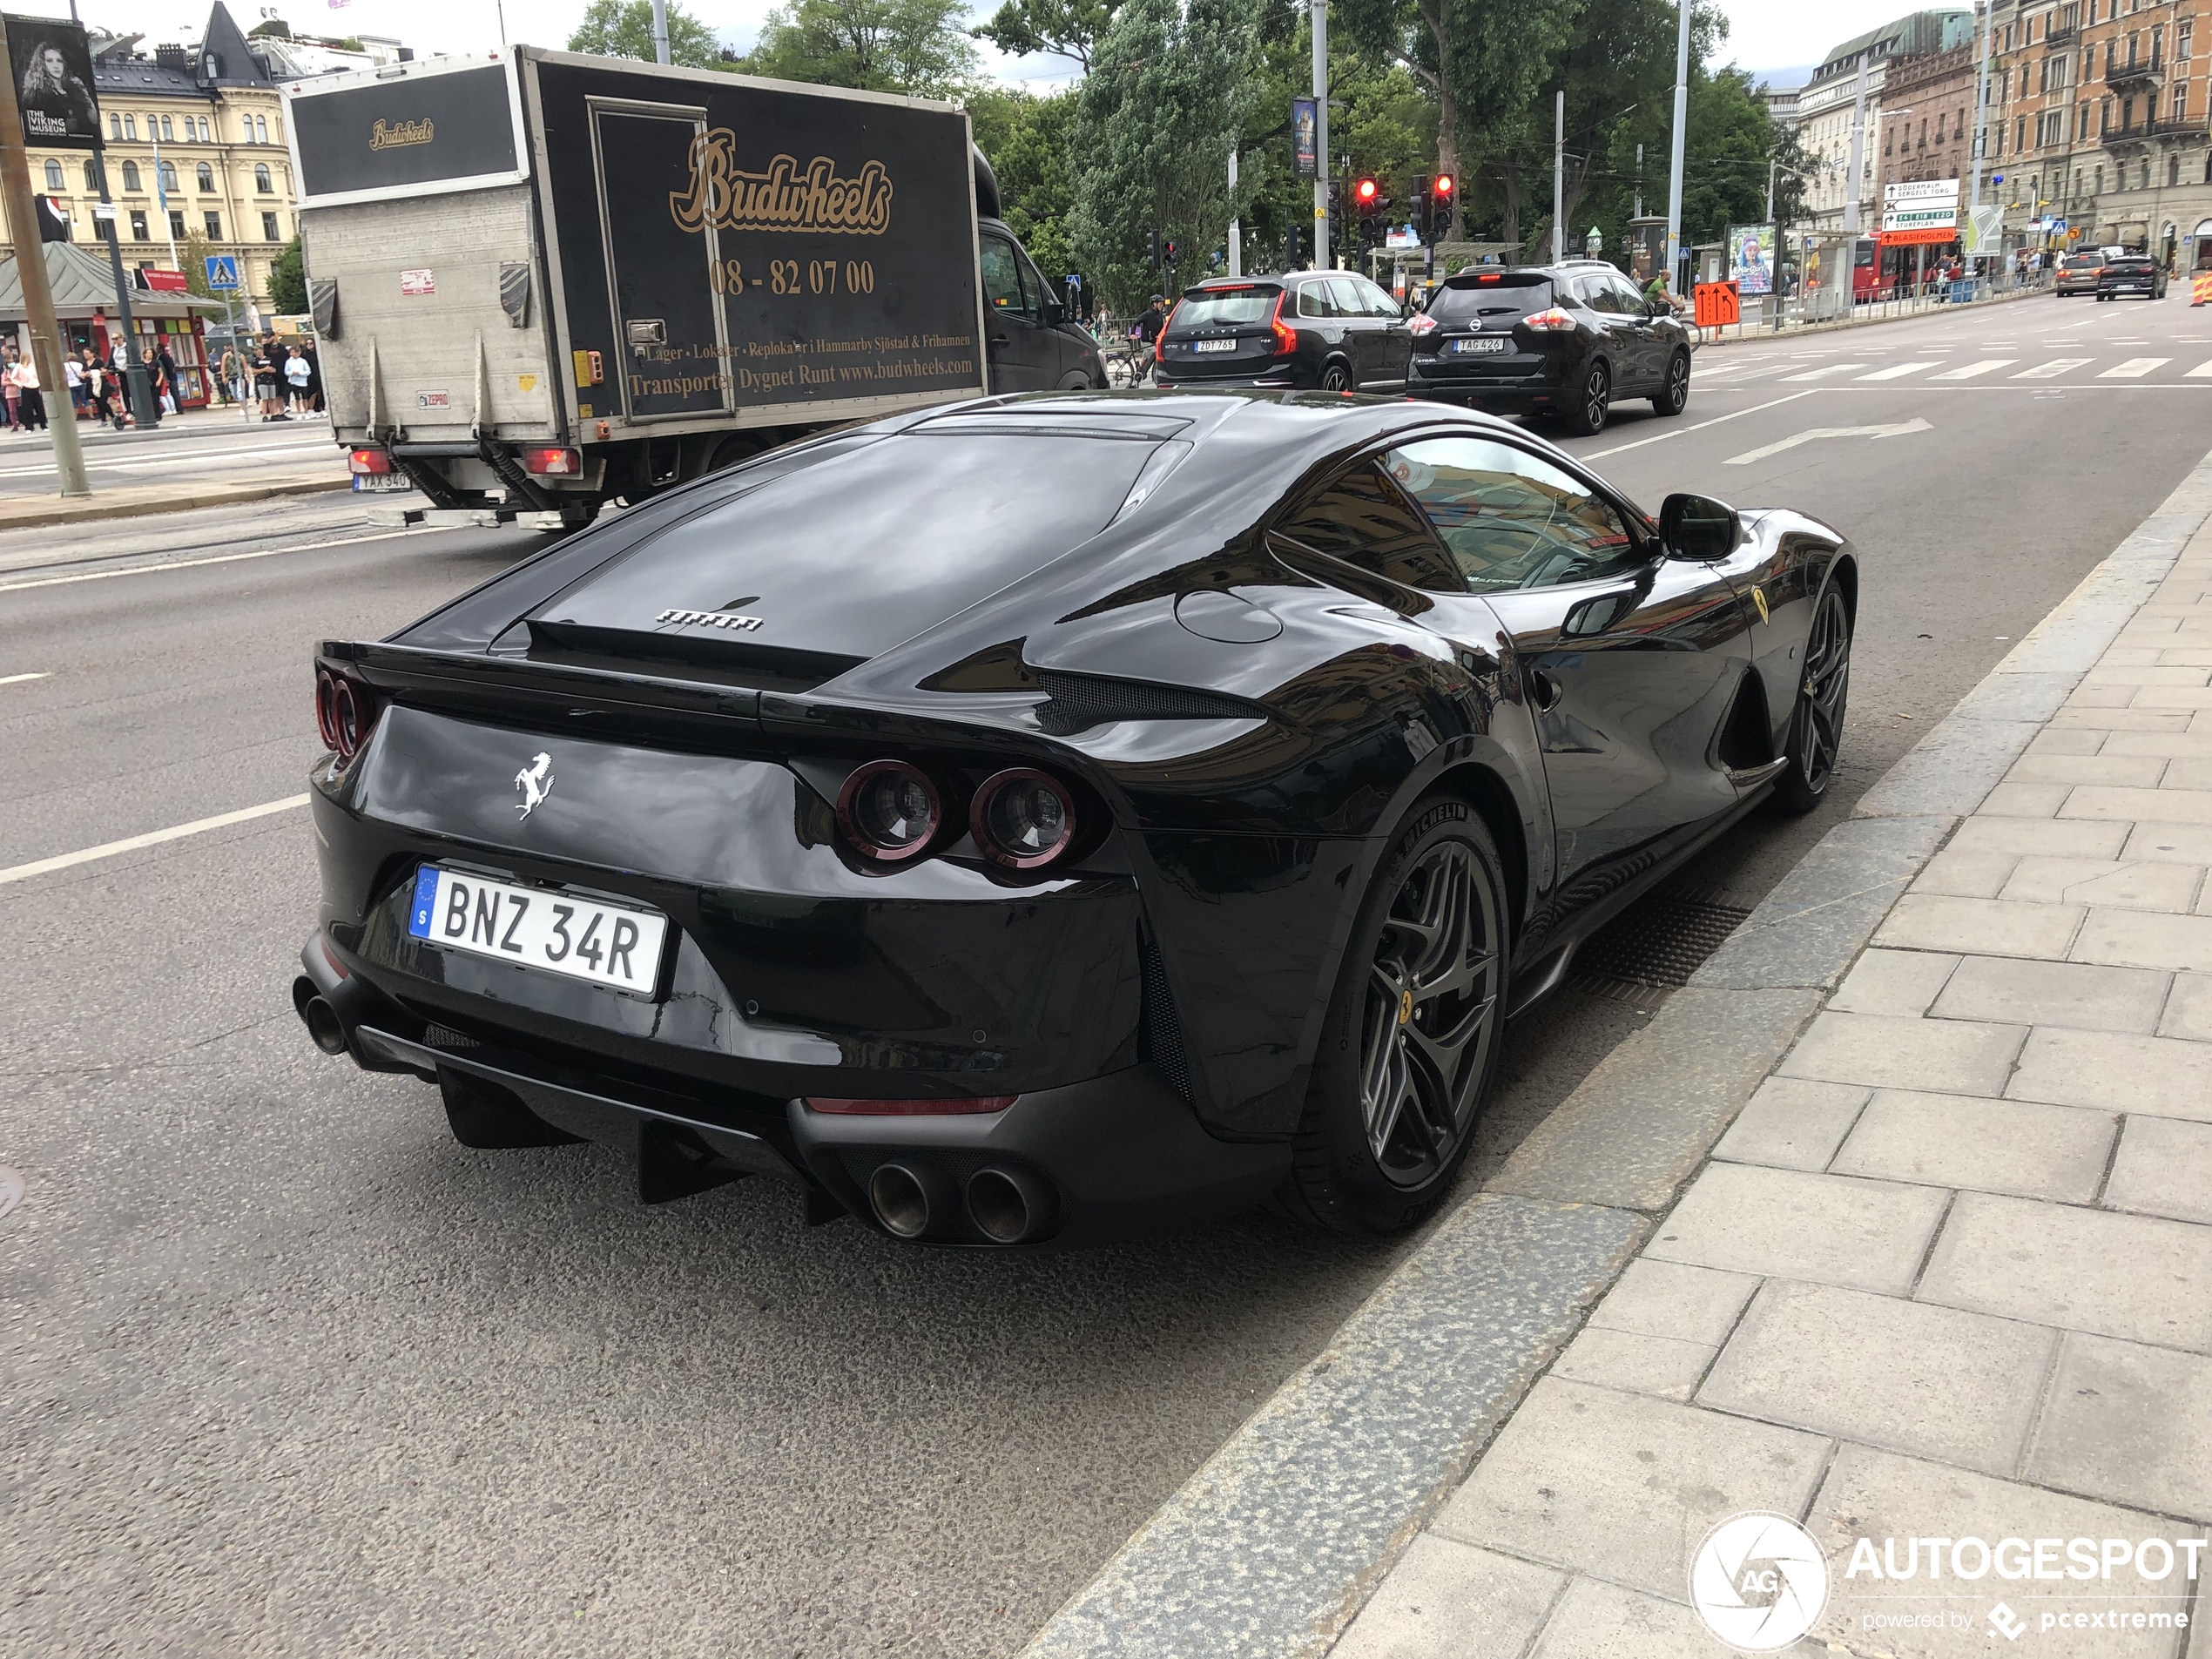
1369	202
1152	250
1420	204
1167	253
1443	194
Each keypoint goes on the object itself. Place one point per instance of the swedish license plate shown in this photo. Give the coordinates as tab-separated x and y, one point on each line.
1215	345
541	927
1483	345
364	481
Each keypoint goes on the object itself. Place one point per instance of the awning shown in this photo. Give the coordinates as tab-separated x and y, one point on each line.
83	282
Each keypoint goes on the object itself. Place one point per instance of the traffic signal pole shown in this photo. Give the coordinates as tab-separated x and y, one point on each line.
1322	240
1675	144
37	296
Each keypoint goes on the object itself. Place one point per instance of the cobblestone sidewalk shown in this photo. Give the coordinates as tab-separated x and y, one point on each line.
1948	1276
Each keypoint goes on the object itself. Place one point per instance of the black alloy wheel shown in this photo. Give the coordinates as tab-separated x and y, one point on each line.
1337	378
1585	409
1816	723
1674	395
1412	1031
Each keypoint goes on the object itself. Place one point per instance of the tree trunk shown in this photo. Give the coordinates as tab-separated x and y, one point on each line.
1447	129
1509	187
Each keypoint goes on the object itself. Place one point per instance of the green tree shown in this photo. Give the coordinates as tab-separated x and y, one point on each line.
1064	28
194	254
914	46
624	28
288	279
1025	139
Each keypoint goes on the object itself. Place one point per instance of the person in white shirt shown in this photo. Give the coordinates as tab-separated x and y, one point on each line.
23	375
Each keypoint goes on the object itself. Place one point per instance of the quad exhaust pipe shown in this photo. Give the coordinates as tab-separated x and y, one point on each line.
325	1030
914	1199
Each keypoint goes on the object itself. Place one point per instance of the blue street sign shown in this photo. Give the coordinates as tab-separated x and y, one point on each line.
222	271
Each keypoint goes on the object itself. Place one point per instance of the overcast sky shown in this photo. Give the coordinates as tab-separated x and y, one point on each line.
1763	34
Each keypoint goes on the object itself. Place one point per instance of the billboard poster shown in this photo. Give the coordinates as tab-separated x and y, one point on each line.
52	68
1302	137
1751	258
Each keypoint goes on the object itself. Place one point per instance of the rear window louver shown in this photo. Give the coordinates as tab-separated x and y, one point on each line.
1077	701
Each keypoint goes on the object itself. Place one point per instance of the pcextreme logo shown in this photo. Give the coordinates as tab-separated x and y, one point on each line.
783	197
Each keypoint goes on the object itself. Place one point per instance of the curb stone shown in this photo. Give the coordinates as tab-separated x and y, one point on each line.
117	505
1274	1545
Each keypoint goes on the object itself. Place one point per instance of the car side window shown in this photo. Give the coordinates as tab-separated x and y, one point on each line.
1346	291
1596	293
1001	276
1378	303
1626	300
1363	519
1315	301
1510	520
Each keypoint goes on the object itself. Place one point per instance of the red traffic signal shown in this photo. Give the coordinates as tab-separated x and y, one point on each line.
1441	185
1364	192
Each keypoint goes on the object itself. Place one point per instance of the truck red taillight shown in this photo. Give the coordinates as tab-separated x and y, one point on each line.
346	711
374	461
553	462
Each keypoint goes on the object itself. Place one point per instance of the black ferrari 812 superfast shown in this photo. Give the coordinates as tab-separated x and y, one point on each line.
1057	817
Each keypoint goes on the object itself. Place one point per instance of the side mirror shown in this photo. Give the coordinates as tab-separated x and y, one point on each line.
1055	312
1698	529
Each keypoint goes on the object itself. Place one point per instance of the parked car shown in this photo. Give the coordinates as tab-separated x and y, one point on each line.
2078	273
1565	340
1057	817
2132	273
1334	331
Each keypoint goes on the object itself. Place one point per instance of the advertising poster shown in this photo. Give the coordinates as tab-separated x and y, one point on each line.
1751	258
1302	137
52	70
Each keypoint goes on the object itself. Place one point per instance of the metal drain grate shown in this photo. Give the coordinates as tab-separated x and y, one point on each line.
1660	940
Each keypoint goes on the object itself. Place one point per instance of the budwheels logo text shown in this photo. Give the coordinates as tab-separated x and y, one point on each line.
1759	1581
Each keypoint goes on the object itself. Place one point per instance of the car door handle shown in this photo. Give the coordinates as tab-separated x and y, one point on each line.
1544	690
998	339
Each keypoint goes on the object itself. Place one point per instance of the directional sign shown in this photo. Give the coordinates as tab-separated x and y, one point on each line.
1921	190
1897	430
222	271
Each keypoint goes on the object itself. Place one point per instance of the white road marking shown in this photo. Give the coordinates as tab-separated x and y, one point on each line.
1897	372
17	679
1967	371
1916	424
1825	368
2201	372
1622	447
2051	370
2134	369
152	838
186	564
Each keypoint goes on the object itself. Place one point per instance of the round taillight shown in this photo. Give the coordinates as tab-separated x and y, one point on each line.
346	720
326	708
1022	818
890	811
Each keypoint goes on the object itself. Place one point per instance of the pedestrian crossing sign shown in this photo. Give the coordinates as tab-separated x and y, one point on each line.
222	271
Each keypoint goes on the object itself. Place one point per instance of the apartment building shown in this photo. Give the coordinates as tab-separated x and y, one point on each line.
195	147
1827	107
2101	112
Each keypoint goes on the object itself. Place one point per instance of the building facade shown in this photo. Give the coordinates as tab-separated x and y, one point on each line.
1828	110
2102	115
196	148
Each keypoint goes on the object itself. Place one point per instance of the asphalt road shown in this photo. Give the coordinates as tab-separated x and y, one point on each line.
213	445
284	1370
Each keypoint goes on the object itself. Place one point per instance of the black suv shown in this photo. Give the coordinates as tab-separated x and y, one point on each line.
1564	340
2132	273
1331	329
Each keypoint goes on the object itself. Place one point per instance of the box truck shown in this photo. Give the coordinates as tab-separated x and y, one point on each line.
542	281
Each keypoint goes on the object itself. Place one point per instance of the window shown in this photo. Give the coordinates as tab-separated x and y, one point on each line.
92	176
204	175
1362	520
168	174
1510	520
168	132
1001	273
261	183
214	223
2146	177
177	223
1314	299
2020	135
2181	42
115	126
2182	102
2098	175
137	222
131	176
131	128
1598	294
269	228
261	129
1378	303
2173	171
54	175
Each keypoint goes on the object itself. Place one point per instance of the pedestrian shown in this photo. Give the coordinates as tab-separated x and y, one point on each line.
315	376
268	379
8	388
23	375
295	378
172	381
96	388
73	371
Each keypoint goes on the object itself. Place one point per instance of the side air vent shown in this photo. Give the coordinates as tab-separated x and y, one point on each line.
1159	1037
1077	701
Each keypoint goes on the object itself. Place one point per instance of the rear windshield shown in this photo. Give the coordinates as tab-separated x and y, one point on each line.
1226	307
2083	261
1509	294
2134	262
